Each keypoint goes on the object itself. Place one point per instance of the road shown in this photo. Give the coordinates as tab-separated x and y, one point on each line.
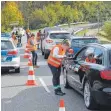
16	96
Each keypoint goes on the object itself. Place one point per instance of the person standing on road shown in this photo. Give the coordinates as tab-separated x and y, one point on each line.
32	42
38	37
55	58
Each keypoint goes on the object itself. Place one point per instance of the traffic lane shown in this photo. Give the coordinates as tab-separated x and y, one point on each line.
22	98
36	98
31	99
16	95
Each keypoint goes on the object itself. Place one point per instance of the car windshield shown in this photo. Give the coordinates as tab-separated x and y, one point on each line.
60	35
6	45
83	41
110	57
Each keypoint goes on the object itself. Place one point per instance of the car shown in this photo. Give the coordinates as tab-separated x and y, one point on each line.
20	30
78	42
92	80
10	58
53	38
6	35
44	34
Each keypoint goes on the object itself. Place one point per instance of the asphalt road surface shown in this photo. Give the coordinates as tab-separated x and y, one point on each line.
16	96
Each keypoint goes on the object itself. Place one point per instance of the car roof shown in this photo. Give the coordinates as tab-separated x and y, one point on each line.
47	29
5	38
81	37
107	46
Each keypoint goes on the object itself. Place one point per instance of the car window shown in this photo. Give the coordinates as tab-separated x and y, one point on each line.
6	45
83	54
60	36
83	41
98	55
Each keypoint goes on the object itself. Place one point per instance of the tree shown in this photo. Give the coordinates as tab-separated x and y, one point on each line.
10	14
107	29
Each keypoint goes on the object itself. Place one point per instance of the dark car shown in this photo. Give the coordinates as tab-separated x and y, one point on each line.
93	80
78	42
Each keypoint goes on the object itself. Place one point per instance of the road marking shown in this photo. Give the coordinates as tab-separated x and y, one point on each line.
44	85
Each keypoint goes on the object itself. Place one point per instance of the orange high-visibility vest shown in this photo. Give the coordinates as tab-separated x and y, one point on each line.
91	61
55	61
31	47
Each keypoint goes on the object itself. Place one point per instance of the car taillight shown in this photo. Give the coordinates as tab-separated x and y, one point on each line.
106	74
49	41
12	52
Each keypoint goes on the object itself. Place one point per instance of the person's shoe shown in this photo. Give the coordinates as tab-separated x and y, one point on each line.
59	92
36	66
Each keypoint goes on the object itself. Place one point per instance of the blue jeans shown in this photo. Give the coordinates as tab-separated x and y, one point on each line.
34	58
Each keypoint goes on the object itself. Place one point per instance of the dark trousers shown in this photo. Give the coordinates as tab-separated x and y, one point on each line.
34	58
56	72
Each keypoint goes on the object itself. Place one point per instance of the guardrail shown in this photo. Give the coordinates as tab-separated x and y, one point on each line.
72	23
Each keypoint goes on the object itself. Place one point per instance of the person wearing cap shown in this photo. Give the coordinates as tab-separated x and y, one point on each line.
32	42
55	59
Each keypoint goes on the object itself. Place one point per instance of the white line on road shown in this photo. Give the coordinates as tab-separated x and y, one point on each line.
44	85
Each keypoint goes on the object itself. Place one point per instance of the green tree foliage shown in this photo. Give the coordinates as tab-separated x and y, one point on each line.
37	14
10	14
107	29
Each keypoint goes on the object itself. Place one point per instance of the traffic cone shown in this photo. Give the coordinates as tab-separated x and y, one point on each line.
61	105
26	55
31	76
30	61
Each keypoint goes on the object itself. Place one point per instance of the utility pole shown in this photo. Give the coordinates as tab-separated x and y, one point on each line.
98	17
28	23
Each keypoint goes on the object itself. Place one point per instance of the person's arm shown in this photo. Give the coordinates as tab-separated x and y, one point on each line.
56	53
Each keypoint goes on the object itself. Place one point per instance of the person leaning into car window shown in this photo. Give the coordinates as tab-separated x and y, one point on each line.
90	57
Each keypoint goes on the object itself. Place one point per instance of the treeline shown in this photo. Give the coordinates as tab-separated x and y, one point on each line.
38	14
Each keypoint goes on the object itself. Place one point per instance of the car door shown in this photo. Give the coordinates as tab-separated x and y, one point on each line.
77	74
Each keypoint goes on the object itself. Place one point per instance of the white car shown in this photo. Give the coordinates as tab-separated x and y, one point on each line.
10	57
52	38
21	30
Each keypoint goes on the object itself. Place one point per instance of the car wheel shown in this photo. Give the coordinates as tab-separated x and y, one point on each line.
88	99
66	84
42	53
45	55
17	70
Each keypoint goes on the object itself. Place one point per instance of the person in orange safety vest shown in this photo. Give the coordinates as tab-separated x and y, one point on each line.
55	58
33	48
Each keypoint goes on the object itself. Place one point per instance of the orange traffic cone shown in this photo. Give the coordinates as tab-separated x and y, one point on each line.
31	76
61	105
30	61
26	55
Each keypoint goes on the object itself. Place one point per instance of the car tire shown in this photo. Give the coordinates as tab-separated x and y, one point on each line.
89	101
45	55
42	53
66	84
17	70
